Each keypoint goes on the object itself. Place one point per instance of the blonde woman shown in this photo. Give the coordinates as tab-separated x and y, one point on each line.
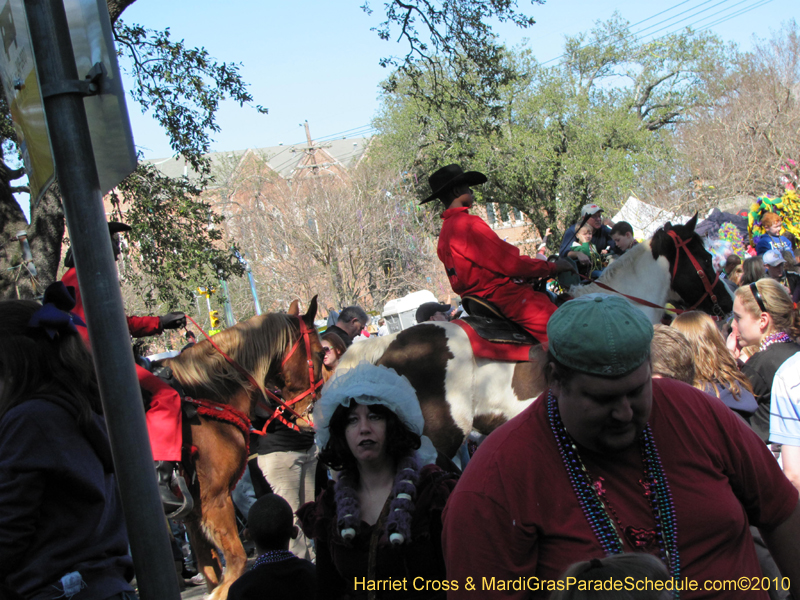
764	315
715	370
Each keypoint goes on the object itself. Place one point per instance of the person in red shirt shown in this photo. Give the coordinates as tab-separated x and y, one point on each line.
164	415
479	263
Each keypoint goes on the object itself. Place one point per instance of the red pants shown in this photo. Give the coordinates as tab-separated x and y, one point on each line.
529	309
163	417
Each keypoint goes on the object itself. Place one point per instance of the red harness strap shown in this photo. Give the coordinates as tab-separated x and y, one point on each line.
681	244
305	335
226	414
283	406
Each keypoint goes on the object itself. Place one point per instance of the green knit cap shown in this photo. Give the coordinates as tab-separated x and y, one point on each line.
600	334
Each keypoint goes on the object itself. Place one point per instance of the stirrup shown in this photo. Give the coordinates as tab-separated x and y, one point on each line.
188	502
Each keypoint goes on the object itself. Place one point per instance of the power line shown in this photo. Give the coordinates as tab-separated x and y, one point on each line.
741	12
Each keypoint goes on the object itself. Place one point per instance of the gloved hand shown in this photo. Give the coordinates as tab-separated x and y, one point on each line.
173	320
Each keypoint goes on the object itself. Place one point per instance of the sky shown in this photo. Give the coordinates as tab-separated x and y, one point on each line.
317	60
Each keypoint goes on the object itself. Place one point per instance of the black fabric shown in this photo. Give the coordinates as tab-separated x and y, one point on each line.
61	510
280	438
341	333
760	369
291	579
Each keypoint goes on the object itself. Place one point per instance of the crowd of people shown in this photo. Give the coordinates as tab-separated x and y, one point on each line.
668	455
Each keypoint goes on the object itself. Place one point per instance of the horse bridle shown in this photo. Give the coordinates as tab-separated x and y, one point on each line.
681	244
313	386
282	406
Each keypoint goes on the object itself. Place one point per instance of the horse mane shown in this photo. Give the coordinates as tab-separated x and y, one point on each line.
254	344
629	265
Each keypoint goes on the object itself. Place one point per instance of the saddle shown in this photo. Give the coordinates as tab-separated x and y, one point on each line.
491	325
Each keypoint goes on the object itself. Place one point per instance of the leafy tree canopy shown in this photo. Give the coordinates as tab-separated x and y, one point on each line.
585	130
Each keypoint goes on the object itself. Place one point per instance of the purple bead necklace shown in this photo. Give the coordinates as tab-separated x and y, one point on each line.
594	509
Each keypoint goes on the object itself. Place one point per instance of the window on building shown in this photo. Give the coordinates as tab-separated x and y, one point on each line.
490	216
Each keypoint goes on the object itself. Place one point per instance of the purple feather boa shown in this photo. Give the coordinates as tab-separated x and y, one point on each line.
401	508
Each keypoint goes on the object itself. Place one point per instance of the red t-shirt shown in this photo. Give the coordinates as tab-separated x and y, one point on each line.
477	261
514	513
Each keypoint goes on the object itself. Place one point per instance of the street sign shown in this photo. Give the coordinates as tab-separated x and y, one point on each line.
96	60
21	87
109	126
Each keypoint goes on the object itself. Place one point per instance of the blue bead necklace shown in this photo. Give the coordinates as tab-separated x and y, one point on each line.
596	510
272	556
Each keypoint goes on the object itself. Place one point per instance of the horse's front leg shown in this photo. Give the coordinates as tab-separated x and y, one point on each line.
207	563
219	524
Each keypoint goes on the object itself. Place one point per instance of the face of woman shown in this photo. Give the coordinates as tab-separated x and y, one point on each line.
366	434
330	359
748	329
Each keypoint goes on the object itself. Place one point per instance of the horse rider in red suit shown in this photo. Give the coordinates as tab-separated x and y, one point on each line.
479	263
164	415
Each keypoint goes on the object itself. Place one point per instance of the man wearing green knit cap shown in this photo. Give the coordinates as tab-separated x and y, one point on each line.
609	460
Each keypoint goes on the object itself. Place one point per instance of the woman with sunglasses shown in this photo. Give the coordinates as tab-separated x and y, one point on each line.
333	347
765	316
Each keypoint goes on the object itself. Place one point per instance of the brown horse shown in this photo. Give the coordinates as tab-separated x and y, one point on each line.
272	349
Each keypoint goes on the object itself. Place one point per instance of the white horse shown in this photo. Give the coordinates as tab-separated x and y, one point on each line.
459	392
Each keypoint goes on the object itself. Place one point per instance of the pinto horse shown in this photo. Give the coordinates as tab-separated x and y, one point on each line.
278	351
459	391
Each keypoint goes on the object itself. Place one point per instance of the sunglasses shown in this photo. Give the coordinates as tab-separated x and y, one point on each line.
757	296
326	350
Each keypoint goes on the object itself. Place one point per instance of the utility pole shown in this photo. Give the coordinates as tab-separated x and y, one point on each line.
312	151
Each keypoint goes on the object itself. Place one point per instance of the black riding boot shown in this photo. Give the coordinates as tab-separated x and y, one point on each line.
165	470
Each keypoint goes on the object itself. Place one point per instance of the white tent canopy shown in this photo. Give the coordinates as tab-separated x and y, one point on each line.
645	218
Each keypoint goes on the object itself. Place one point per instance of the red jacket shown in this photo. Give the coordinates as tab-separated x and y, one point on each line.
477	261
138	326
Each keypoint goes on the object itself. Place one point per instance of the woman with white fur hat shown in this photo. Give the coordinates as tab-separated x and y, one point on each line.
379	526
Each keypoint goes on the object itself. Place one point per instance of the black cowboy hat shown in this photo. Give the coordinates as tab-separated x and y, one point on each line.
113	227
449	177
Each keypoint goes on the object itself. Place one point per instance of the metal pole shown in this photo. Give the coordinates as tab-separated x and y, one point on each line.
97	276
253	289
229	318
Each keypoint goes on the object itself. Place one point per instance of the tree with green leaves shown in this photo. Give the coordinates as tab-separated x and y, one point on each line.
587	129
182	87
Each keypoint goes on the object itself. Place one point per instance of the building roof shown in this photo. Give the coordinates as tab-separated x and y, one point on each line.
287	160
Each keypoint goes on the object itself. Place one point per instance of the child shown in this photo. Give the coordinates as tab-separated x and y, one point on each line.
585	579
772	239
622	234
583	244
277	573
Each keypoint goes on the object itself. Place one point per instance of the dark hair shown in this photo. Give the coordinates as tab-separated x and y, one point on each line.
621	228
400	440
353	312
731	263
32	364
618	567
752	270
270	522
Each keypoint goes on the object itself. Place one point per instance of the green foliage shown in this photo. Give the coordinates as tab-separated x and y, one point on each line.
177	240
459	30
587	130
182	86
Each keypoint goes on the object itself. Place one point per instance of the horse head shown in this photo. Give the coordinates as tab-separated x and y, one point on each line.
300	376
692	272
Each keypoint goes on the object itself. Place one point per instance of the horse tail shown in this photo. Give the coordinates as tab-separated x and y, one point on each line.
370	350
